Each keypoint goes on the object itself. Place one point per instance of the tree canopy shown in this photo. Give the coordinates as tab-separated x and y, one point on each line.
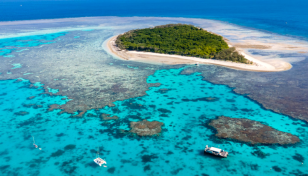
179	39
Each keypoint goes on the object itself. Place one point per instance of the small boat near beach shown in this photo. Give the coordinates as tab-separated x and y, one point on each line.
216	152
99	160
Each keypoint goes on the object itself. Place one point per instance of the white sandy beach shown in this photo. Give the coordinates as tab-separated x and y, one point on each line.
156	58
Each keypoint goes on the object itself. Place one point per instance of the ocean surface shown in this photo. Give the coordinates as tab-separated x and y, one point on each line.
279	16
69	143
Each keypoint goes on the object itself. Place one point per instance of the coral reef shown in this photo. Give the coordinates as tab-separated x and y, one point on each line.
250	131
146	128
21	113
282	92
108	117
87	83
209	99
30	98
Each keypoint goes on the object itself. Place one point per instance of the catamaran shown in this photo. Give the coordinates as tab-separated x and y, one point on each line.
215	151
99	160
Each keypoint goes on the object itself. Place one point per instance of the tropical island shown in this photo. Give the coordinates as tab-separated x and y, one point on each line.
175	44
179	39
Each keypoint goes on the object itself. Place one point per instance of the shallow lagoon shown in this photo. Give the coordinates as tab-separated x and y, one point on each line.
69	143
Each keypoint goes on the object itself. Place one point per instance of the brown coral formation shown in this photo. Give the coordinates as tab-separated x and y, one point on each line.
146	128
283	92
108	117
209	99
87	83
21	113
250	131
35	106
53	107
30	98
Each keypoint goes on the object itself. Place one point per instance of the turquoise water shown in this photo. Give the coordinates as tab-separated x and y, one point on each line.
9	45
69	144
54	91
17	65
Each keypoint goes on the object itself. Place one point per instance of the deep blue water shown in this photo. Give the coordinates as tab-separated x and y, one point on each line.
283	16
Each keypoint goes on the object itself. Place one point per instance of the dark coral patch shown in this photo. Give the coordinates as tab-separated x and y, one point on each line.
176	171
28	105
163	115
67	168
4	167
169	153
57	153
37	106
132	105
30	98
162	91
32	165
230	100
60	134
208	99
277	169
21	113
148	158
259	153
162	110
146	168
298	157
152	106
254	167
111	170
246	110
26	122
91	115
70	147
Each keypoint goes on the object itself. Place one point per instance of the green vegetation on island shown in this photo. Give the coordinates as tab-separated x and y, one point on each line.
179	39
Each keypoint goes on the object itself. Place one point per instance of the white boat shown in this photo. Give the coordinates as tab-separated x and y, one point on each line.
215	151
99	160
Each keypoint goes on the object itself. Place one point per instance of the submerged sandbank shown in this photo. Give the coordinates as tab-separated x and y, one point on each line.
156	58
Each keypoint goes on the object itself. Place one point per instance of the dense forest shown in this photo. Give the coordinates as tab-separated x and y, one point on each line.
179	39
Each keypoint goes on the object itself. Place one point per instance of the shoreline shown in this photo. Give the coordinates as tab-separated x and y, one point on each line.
160	59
